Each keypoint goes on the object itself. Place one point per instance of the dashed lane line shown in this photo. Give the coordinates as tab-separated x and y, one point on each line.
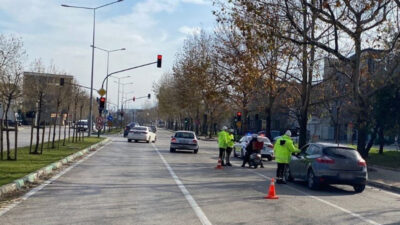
196	208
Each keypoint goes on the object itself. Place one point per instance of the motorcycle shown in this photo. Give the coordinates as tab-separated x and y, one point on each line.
255	160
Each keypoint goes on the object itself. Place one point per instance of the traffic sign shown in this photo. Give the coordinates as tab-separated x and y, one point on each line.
101	92
99	121
99	127
110	118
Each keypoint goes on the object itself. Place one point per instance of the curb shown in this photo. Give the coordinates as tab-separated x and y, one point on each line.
384	186
34	176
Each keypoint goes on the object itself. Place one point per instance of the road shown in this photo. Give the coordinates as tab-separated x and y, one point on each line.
140	183
24	135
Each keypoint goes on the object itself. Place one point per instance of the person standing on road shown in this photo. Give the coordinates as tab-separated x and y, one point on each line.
222	143
230	144
283	149
250	150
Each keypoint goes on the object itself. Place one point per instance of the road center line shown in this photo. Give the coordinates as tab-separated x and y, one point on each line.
196	208
324	201
47	182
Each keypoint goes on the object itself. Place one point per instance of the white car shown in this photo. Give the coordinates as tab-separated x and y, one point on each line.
141	134
239	149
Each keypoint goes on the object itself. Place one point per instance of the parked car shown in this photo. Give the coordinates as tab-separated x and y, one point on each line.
129	127
82	125
141	134
153	129
320	163
184	140
239	149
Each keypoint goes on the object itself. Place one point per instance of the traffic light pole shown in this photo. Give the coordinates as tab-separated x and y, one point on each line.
120	71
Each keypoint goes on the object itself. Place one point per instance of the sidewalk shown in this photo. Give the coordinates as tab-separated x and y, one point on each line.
387	179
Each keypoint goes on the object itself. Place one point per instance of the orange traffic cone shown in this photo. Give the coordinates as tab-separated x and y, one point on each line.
219	166
271	192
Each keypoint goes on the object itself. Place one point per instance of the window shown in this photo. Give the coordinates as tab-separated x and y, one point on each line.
184	135
313	150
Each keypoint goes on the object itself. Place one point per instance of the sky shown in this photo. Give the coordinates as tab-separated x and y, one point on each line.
63	36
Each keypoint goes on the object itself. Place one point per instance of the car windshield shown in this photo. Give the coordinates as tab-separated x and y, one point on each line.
184	135
82	123
340	152
140	128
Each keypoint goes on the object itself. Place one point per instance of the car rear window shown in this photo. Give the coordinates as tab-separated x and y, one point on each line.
184	135
342	152
140	128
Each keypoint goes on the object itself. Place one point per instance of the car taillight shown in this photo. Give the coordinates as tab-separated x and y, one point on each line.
362	163
173	140
326	160
194	141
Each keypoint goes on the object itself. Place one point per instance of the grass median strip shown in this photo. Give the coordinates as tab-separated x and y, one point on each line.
390	159
28	163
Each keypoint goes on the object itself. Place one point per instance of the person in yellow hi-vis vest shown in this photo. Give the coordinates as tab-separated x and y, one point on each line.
283	149
222	143
231	143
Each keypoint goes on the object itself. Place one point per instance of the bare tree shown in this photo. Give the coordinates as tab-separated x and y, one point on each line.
11	73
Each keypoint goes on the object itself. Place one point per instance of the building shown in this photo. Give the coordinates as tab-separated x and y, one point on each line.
51	86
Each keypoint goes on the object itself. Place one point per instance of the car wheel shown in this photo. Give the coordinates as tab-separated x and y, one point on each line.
195	151
148	141
129	140
312	181
269	158
171	150
358	188
288	175
136	140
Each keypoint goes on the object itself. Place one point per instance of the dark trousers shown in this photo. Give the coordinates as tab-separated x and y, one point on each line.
222	154
228	154
246	158
281	170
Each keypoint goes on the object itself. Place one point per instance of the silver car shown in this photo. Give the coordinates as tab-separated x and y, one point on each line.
184	140
141	134
239	149
320	163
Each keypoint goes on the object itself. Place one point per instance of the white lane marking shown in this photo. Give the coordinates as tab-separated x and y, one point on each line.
196	208
47	182
326	202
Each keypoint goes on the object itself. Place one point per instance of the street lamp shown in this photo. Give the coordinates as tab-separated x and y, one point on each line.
108	60
119	84
93	46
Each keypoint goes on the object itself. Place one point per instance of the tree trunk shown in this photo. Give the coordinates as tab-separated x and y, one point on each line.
381	140
7	128
268	120
39	112
373	137
55	125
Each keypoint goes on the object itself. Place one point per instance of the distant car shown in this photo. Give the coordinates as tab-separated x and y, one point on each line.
320	163
153	129
129	127
239	149
141	134
184	140
82	125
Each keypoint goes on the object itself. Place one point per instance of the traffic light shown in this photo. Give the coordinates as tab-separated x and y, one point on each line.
148	96
134	98
186	120
239	116
159	59
101	103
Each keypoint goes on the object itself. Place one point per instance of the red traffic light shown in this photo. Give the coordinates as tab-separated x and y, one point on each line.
102	99
134	98
159	59
239	114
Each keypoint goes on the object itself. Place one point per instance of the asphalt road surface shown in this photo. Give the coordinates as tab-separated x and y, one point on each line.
140	183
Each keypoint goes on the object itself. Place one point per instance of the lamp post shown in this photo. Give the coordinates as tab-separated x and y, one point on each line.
108	63
93	46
